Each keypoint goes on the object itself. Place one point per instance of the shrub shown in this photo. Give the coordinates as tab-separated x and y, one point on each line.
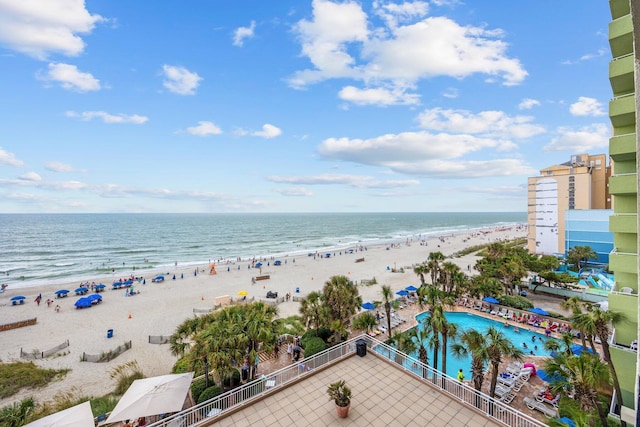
181	366
198	386
314	345
209	393
515	301
233	380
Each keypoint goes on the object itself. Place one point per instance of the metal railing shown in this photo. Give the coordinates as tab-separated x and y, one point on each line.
490	407
231	400
216	407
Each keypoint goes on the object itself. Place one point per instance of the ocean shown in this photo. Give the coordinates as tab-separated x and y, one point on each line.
41	249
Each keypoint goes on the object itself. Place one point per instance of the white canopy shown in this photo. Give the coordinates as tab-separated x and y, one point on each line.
152	396
76	416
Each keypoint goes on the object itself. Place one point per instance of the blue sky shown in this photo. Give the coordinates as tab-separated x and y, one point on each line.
295	106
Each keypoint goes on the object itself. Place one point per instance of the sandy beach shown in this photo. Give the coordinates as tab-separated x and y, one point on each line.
160	307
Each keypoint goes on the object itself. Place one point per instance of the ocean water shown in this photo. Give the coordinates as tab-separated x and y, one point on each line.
38	249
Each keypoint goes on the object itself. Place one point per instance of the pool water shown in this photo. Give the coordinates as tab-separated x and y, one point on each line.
466	321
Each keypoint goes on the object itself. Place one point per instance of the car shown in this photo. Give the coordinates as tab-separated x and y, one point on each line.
271	294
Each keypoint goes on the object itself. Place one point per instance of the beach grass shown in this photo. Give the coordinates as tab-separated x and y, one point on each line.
18	375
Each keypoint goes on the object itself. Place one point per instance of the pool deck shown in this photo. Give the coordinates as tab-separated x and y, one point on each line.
410	312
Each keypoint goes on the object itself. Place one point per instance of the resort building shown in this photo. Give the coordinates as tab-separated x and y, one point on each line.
624	32
581	183
589	228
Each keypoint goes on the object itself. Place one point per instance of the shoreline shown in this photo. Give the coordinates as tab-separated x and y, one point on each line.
161	307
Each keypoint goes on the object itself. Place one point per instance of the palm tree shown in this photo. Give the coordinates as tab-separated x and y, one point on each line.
420	270
311	310
433	266
447	330
342	299
404	343
582	375
579	254
428	297
419	335
498	345
449	271
472	342
597	322
364	321
575	305
387	298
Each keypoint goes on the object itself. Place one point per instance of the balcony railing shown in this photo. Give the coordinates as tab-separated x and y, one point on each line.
257	389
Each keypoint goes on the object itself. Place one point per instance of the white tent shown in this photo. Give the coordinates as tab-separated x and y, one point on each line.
77	416
152	396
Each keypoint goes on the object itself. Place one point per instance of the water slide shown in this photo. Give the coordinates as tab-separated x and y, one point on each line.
607	283
592	282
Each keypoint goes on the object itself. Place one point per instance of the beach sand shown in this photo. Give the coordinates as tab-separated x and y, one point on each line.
161	307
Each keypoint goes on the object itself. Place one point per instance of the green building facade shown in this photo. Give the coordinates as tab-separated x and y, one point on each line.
623	186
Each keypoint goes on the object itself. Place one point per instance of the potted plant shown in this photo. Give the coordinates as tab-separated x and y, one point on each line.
341	395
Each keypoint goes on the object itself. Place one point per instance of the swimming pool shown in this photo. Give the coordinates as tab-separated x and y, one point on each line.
466	321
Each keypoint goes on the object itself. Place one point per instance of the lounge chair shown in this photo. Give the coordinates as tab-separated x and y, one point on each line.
502	312
478	306
494	311
539	406
462	301
544	397
470	303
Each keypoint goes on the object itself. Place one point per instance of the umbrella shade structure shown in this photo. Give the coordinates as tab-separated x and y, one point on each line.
277	262
411	288
81	290
578	349
99	286
18	298
368	305
490	300
544	376
83	302
95	298
243	293
567	421
152	396
159	278
539	311
258	264
79	415
402	293
61	292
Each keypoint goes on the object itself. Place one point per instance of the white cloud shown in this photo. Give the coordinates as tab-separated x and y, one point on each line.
496	123
108	118
392	13
581	140
268	131
528	103
586	106
70	78
179	80
378	96
243	33
38	28
59	167
30	176
9	159
295	192
340	44
204	128
356	181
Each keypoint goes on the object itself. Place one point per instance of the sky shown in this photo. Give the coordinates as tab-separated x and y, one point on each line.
295	105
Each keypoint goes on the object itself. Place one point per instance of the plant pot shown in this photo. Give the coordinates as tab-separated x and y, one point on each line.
343	411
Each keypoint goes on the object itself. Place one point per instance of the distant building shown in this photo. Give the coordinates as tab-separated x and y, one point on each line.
589	228
579	184
624	70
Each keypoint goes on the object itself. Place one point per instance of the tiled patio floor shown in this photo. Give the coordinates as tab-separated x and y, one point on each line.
382	396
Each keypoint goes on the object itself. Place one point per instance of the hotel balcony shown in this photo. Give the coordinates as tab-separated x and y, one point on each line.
623	223
621	36
624	184
622	110
619	8
621	75
623	262
623	147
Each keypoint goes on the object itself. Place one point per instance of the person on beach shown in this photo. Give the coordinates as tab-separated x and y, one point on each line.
57	309
460	375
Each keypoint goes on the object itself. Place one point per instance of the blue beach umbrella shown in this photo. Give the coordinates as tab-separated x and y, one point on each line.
61	292
83	302
258	264
368	306
544	376
490	300
18	298
402	293
95	297
567	421
411	288
539	311
578	349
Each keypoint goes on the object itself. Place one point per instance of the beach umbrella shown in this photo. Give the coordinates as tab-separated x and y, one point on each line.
83	302
61	291
368	306
79	415
544	376
95	297
490	300
411	288
539	311
258	264
152	396
578	349
277	262
402	293
99	286
17	298
81	289
567	421
243	293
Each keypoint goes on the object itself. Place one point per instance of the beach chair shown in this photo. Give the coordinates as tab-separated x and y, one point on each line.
539	406
478	306
502	312
545	398
470	303
494	311
509	314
